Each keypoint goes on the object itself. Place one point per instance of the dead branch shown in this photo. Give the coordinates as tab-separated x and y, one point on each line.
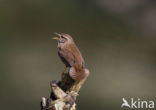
63	93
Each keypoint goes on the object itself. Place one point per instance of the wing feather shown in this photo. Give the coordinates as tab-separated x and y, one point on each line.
76	54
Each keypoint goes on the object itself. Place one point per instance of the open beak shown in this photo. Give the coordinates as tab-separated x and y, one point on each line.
56	38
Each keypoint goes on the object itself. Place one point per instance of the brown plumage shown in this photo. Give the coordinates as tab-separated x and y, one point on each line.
70	55
77	73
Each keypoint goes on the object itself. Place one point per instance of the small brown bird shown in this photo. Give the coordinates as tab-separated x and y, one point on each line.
70	55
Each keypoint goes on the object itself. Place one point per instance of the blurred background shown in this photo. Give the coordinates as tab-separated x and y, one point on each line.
117	39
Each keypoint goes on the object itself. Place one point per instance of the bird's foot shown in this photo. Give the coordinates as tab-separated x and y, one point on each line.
63	74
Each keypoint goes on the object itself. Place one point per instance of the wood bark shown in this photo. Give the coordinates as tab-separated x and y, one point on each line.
63	93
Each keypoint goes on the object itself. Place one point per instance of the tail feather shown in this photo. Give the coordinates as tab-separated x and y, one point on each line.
77	72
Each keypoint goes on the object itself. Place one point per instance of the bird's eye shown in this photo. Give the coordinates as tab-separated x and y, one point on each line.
63	37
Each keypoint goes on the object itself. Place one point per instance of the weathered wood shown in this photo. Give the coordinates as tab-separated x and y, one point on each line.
64	93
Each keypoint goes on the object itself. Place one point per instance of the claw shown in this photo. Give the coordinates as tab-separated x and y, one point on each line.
63	73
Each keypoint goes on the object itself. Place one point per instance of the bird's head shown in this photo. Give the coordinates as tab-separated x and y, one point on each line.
63	38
